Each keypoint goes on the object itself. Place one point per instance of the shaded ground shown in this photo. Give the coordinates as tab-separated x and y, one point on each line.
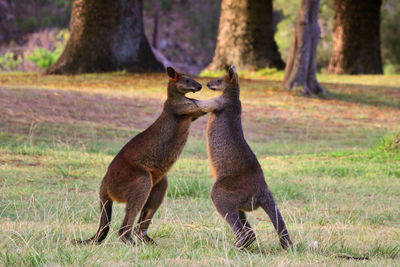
268	112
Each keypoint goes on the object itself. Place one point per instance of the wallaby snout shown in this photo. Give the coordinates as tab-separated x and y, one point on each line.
198	87
215	85
191	85
226	82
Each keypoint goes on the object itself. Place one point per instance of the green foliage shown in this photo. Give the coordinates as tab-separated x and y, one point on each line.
391	69
9	61
267	72
46	13
213	74
390	36
28	24
44	58
390	32
205	29
286	28
63	3
166	5
390	143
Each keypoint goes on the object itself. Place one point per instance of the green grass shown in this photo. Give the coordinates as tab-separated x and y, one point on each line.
331	164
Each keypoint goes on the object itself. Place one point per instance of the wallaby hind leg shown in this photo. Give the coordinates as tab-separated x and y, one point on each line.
270	207
231	215
138	192
251	235
243	219
105	219
243	237
152	204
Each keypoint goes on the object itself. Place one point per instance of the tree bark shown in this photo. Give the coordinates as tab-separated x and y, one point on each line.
246	36
106	35
356	38
301	66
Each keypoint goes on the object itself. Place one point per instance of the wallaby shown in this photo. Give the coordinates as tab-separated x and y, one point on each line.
137	174
240	184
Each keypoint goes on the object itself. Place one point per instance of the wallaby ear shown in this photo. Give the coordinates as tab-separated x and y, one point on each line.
171	72
232	73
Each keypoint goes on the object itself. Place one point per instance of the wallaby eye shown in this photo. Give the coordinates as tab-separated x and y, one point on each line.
219	81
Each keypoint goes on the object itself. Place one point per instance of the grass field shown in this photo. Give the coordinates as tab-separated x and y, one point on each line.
328	162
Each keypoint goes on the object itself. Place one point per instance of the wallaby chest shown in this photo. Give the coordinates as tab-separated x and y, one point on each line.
227	148
171	141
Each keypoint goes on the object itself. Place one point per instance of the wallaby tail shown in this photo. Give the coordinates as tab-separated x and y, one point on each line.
105	219
270	207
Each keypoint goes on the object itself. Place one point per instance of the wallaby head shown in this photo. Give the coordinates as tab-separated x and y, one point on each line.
227	83
181	83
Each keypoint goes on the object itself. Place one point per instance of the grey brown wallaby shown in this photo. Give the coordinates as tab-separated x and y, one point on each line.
240	184
137	174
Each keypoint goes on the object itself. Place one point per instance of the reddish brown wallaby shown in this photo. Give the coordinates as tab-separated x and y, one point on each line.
137	174
240	184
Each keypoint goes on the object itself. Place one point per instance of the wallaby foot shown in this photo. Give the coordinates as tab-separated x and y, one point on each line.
247	235
286	243
244	234
126	237
245	239
145	238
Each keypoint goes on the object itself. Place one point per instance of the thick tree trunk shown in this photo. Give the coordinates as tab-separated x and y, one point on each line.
106	35
356	40
301	67
246	36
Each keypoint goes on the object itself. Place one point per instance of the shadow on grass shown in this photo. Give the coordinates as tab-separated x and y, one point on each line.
387	96
367	95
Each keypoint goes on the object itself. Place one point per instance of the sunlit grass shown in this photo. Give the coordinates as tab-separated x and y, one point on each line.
330	163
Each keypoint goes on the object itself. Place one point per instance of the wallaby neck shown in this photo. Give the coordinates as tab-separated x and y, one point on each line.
233	92
172	91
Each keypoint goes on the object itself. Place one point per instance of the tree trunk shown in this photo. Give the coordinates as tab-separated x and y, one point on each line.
301	66
356	40
106	35
246	36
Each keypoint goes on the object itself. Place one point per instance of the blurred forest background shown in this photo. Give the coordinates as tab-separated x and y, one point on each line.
33	33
